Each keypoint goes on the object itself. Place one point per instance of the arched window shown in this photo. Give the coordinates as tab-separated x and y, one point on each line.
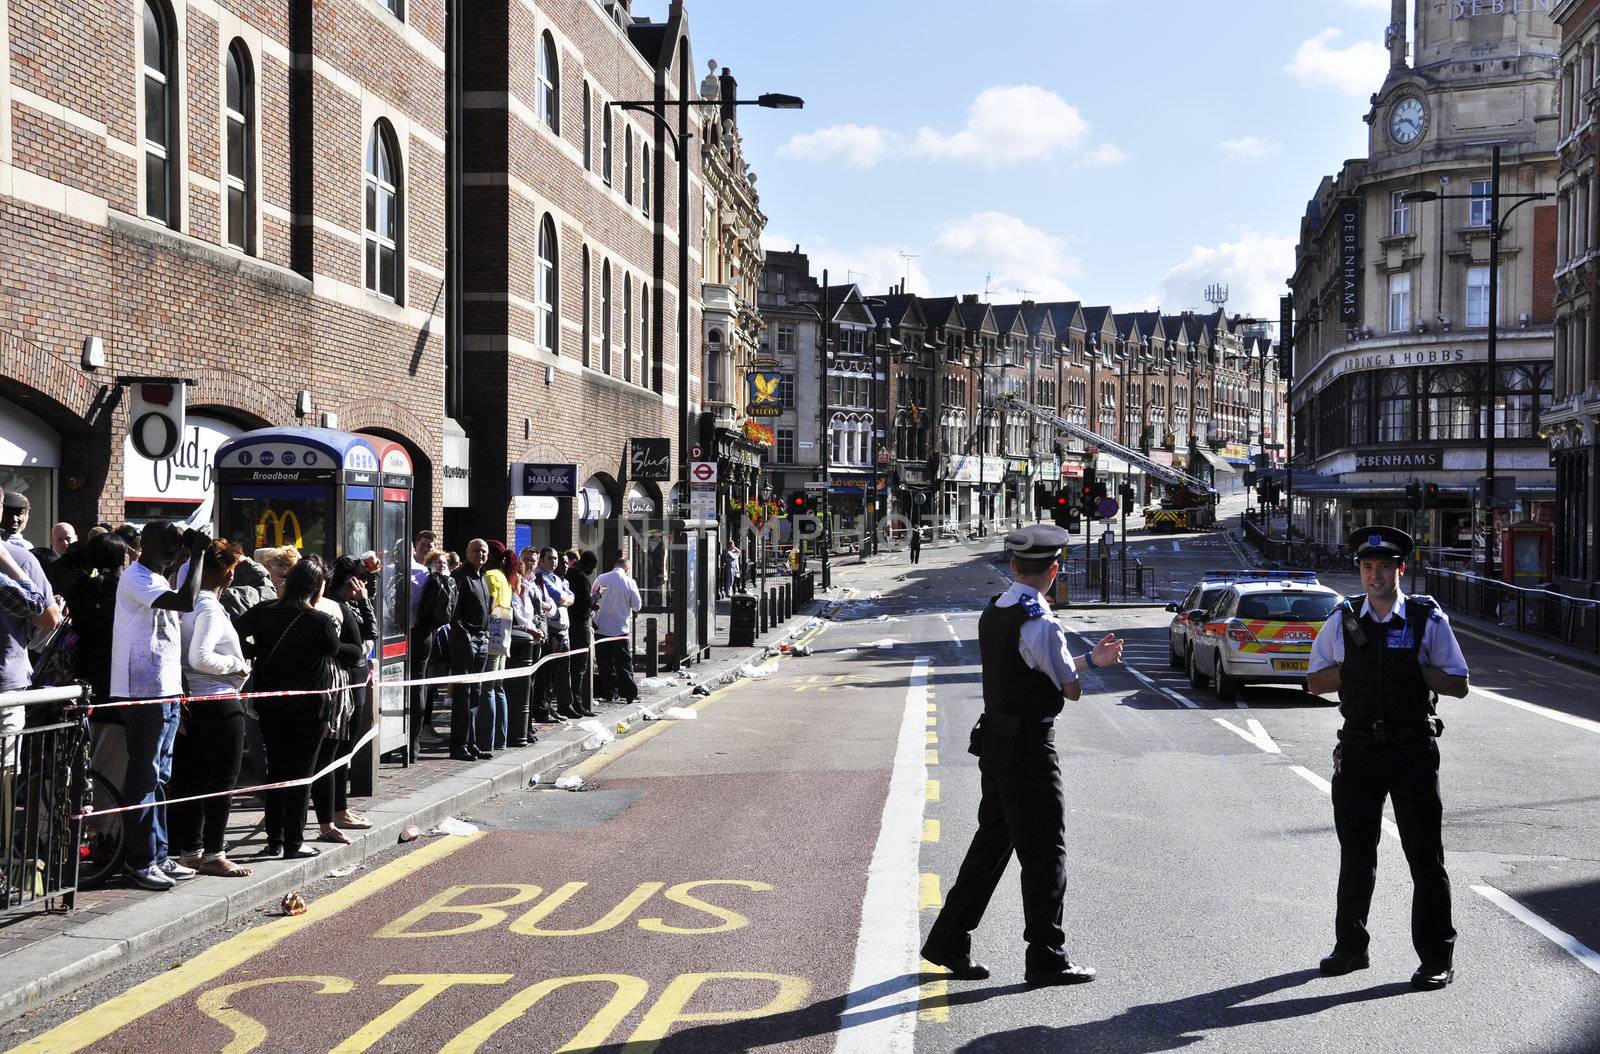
605	317
627	327
1522	394
588	307
1360	409
1450	405
627	164
588	130
713	371
837	427
646	375
383	212
549	316
160	116
1396	413
241	159
549	88
605	144
645	176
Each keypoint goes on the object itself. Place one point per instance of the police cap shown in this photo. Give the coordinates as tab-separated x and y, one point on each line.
1041	541
1389	543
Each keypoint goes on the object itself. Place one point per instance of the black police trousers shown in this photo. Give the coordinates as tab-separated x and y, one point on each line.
1022	810
1408	773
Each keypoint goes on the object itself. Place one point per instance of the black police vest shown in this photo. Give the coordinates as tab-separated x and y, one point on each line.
1381	678
1011	686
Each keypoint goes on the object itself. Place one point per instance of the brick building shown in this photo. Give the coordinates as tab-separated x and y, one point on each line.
250	196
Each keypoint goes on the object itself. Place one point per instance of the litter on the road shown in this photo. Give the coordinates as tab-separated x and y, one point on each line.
882	645
345	872
801	650
533	780
656	682
569	783
621	728
410	833
679	713
752	670
886	618
293	903
701	690
844	652
813	623
452	826
599	735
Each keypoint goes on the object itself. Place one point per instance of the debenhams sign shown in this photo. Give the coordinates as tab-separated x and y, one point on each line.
1474	8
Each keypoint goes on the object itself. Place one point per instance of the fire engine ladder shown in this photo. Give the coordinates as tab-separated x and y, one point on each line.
1165	473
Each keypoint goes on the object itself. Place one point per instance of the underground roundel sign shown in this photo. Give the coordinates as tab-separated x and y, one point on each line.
155	418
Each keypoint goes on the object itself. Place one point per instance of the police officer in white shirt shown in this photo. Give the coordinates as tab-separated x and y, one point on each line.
1390	657
1027	672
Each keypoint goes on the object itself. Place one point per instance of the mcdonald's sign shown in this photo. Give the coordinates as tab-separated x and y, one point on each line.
278	522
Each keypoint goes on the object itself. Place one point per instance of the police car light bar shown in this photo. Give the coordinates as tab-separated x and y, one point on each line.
1219	574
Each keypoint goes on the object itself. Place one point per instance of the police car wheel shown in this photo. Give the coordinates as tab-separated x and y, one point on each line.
1197	678
1227	687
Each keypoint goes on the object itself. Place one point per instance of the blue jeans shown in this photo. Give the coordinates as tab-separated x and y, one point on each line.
151	732
469	653
494	715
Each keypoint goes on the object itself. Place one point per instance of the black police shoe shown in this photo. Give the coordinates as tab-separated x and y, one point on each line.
1431	979
1338	964
1068	974
961	967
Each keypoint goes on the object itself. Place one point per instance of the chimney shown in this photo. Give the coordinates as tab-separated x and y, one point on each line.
969	298
730	98
1027	305
1396	34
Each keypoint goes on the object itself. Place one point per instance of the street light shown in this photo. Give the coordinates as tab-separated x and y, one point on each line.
656	109
1497	224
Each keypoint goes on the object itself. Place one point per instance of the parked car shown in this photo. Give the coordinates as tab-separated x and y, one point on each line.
1259	632
1204	593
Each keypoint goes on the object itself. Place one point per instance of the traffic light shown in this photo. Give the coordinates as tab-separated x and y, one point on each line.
1127	494
1091	490
1061	508
1414	494
798	505
1430	496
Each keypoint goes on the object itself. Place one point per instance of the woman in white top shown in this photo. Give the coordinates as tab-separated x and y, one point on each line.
211	739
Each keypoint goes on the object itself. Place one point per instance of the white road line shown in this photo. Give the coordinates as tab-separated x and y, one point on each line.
1543	711
1327	788
1562	939
1255	734
888	946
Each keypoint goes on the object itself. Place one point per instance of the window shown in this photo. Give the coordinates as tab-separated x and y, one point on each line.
785	338
785	447
1399	302
1450	402
1522	394
1360	410
549	316
646	376
605	317
588	130
1477	296
395	6
1399	213
787	387
588	294
627	327
605	145
383	213
160	119
713	371
645	176
549	86
240	149
627	164
1479	207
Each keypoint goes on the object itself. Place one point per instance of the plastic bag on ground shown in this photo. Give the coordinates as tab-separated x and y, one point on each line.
845	652
752	670
882	645
656	682
679	713
569	783
596	731
452	826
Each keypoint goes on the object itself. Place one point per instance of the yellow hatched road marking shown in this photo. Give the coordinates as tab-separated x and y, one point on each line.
933	739
930	830
933	708
935	1002
97	1023
930	895
933	790
930	757
932	721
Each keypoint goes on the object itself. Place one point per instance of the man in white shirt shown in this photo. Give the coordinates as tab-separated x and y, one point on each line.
554	679
147	663
421	546
617	599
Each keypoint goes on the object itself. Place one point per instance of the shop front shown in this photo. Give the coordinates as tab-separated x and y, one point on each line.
180	488
30	464
1018	489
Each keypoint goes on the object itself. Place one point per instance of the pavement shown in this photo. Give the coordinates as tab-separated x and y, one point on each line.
761	876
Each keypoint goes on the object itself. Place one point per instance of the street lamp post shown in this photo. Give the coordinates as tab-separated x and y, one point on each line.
1497	224
656	109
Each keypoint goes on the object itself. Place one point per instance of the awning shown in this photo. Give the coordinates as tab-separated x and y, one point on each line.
1116	466
1212	458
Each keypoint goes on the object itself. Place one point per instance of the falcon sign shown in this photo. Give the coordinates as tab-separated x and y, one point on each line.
766	394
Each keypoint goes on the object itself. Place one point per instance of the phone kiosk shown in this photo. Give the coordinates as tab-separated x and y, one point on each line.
333	493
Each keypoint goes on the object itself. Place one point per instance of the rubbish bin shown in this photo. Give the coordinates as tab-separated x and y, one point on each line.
742	623
805	588
517	688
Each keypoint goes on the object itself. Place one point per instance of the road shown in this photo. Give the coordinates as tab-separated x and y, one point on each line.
760	877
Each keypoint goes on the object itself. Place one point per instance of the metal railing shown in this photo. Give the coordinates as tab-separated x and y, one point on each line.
1105	577
1569	620
45	769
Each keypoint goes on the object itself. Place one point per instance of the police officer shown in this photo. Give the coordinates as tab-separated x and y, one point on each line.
1027	671
1390	657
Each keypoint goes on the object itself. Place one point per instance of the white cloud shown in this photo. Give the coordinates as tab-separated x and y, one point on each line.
873	267
1357	69
1006	124
1015	255
859	146
1254	269
1102	155
1368	5
1247	148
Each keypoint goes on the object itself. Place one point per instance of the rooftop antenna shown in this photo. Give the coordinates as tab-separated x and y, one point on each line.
1027	294
1217	295
986	278
907	259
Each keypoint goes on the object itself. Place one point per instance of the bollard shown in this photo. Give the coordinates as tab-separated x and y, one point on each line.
772	606
787	593
761	613
652	649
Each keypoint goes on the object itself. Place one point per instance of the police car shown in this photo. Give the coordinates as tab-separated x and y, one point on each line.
1259	631
1181	629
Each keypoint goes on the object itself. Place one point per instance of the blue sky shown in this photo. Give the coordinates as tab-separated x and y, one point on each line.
1117	151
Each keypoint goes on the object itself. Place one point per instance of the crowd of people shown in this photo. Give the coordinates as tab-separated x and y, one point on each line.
179	626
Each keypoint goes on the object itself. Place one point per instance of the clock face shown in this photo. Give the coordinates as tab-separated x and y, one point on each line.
1407	120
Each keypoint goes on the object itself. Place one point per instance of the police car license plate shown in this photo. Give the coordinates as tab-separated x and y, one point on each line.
1300	665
